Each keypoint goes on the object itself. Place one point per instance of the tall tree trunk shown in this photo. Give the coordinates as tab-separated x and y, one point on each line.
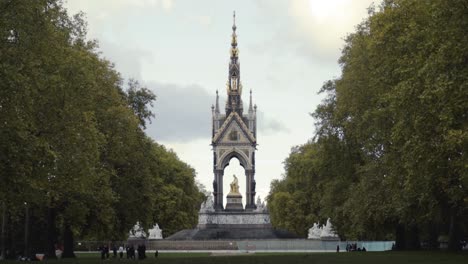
51	234
68	242
454	231
2	239
400	239
26	230
433	236
412	240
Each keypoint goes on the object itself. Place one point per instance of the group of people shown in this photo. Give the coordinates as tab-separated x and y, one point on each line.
354	247
130	251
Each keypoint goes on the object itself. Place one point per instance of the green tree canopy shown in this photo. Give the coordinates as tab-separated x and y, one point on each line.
392	134
72	146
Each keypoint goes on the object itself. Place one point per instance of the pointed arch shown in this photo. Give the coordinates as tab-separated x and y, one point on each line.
234	153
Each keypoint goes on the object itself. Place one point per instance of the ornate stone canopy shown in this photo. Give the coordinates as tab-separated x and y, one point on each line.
234	134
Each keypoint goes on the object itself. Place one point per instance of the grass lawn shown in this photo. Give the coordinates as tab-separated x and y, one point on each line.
288	258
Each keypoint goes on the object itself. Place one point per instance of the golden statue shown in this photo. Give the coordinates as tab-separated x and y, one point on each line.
234	186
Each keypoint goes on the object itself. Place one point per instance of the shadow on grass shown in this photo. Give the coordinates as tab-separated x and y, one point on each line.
288	258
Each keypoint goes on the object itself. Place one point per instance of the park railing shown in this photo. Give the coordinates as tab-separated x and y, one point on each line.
291	245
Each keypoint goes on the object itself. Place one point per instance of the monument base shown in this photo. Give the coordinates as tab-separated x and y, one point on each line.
228	225
229	219
232	234
325	239
234	202
330	238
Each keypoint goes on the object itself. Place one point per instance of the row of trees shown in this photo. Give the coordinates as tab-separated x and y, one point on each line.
389	158
74	158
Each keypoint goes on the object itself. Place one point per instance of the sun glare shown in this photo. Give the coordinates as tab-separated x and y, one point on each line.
325	9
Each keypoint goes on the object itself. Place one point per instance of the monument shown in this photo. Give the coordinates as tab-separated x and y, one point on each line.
234	135
155	232
323	233
137	232
234	198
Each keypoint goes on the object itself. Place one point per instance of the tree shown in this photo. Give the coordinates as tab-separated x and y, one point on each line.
72	141
139	98
391	134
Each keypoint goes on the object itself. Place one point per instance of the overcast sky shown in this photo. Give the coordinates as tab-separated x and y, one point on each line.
180	50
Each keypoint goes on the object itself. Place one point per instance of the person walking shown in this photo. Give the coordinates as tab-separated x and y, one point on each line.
103	252
132	252
121	251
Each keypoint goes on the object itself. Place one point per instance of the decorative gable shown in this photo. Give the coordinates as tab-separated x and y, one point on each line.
234	130
234	134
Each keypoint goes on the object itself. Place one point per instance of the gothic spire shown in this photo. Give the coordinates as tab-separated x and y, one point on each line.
234	36
250	102
217	103
234	19
234	63
234	87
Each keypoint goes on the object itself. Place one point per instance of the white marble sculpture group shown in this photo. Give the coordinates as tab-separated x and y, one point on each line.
207	206
261	207
137	232
155	232
321	232
207	215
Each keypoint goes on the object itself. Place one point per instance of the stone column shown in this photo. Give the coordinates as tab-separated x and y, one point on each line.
218	190
247	188
250	190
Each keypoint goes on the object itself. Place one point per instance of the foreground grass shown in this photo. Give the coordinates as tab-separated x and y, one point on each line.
290	258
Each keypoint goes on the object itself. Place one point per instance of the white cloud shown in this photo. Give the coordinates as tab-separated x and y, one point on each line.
167	4
322	25
127	60
311	28
183	114
269	126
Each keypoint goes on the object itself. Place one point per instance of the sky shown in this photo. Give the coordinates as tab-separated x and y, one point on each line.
180	50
